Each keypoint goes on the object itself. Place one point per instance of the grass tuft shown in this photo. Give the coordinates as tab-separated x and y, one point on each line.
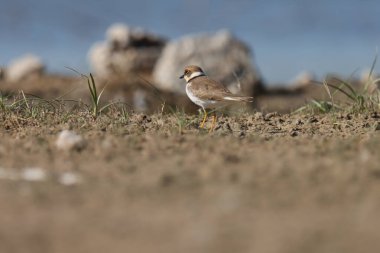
357	99
94	95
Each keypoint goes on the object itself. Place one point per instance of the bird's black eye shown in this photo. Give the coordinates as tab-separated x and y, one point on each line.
186	72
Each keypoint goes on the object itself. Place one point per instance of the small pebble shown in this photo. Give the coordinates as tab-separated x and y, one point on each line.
33	174
69	178
69	140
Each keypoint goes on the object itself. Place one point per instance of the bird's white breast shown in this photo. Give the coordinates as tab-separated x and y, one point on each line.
200	102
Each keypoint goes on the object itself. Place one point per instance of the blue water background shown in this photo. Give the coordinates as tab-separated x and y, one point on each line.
287	36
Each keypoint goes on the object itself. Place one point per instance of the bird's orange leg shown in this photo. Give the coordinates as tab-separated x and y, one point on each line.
204	118
213	123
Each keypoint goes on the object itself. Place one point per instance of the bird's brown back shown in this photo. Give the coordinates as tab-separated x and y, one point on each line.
206	88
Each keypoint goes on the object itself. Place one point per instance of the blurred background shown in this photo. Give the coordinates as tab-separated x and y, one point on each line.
286	36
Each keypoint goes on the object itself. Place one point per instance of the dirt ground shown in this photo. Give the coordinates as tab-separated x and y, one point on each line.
261	182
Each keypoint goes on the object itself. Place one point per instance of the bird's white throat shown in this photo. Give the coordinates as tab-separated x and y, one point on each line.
194	74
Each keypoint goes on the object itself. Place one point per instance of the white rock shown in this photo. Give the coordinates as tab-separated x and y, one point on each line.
118	36
68	140
34	174
303	78
125	50
24	67
366	76
99	57
372	80
220	55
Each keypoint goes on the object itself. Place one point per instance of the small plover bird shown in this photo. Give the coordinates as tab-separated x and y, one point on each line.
208	93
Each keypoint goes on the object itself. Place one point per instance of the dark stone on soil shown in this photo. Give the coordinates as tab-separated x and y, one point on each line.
268	116
375	115
312	120
167	180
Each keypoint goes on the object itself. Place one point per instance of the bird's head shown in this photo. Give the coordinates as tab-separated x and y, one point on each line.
191	72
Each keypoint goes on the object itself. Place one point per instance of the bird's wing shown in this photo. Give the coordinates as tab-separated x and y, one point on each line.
210	89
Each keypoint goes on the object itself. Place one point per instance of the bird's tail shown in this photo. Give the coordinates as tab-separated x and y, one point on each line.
239	98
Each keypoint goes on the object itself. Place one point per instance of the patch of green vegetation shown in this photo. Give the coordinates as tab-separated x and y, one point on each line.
95	96
22	110
358	98
182	120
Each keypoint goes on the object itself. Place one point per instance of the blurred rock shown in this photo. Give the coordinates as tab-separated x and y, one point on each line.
302	81
370	79
222	56
303	78
69	178
118	36
34	174
24	67
69	140
366	75
125	50
100	59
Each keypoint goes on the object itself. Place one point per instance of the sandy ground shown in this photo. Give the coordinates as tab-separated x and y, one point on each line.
157	183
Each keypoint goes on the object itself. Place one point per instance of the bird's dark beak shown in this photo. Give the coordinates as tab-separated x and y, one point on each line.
181	77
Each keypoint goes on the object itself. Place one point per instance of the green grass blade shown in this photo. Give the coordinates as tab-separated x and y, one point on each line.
349	86
25	100
82	75
105	107
328	92
93	86
343	91
318	105
100	94
90	89
368	83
